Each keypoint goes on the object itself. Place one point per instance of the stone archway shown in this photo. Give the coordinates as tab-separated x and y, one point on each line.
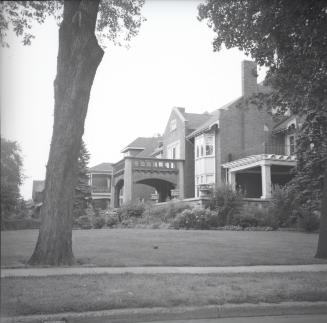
119	187
163	187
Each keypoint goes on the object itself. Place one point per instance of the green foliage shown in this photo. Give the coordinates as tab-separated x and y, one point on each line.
82	188
253	216
117	21
197	218
98	222
226	202
112	219
84	222
288	37
284	205
308	221
131	210
166	212
19	224
11	176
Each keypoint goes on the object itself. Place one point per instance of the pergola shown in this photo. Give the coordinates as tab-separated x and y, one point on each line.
263	163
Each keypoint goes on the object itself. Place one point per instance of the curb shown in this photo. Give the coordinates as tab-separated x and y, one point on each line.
179	313
58	271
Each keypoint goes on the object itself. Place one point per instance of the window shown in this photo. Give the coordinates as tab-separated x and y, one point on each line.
201	151
173	153
173	150
209	145
197	151
292	145
173	124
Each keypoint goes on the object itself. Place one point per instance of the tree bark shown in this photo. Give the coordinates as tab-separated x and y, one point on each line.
79	56
322	241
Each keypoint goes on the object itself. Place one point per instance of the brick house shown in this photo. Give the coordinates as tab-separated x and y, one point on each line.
237	144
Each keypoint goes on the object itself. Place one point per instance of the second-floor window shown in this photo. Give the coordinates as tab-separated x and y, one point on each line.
209	145
291	142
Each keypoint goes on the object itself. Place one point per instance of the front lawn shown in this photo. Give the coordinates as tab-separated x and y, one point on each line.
46	295
137	247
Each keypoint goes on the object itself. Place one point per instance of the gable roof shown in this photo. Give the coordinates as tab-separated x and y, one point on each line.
194	120
145	145
213	118
103	167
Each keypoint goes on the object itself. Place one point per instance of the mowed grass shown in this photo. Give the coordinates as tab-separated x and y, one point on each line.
58	294
140	247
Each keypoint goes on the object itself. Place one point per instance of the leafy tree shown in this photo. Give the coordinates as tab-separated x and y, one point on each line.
79	56
11	176
82	189
288	37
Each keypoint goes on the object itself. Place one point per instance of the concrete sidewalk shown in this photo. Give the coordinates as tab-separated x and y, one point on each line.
58	271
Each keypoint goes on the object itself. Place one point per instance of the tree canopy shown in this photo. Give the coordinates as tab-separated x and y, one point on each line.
117	20
288	37
11	175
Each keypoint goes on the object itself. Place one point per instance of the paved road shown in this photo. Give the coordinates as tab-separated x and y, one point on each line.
56	271
261	319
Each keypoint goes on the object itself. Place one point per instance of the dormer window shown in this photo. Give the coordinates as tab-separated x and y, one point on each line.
173	125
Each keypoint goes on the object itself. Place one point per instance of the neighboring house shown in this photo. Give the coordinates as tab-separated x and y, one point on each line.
237	144
241	145
100	181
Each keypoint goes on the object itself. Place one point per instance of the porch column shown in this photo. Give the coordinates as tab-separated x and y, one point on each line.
180	183
128	181
112	193
266	181
232	179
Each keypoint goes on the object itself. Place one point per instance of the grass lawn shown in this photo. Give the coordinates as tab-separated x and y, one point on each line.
146	247
45	295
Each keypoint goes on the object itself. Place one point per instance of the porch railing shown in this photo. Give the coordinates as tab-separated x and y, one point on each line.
154	163
100	189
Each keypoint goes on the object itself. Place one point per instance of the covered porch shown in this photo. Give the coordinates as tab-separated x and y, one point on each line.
256	175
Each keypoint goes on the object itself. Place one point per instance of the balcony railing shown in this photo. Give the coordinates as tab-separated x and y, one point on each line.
120	166
100	189
154	163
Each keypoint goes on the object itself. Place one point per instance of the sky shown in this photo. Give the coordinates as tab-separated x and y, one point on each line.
170	63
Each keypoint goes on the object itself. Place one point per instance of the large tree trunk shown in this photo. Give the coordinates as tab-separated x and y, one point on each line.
322	242
79	56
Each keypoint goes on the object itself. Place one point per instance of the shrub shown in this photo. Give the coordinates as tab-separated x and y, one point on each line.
84	222
112	219
308	221
20	224
252	215
196	218
167	212
131	210
284	206
98	222
226	202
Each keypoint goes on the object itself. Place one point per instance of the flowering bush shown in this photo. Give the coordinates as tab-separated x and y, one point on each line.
196	218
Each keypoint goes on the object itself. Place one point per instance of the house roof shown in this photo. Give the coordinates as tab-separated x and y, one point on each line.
213	119
103	167
146	145
194	120
283	125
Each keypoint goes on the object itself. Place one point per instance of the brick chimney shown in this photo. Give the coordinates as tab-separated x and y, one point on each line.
249	78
